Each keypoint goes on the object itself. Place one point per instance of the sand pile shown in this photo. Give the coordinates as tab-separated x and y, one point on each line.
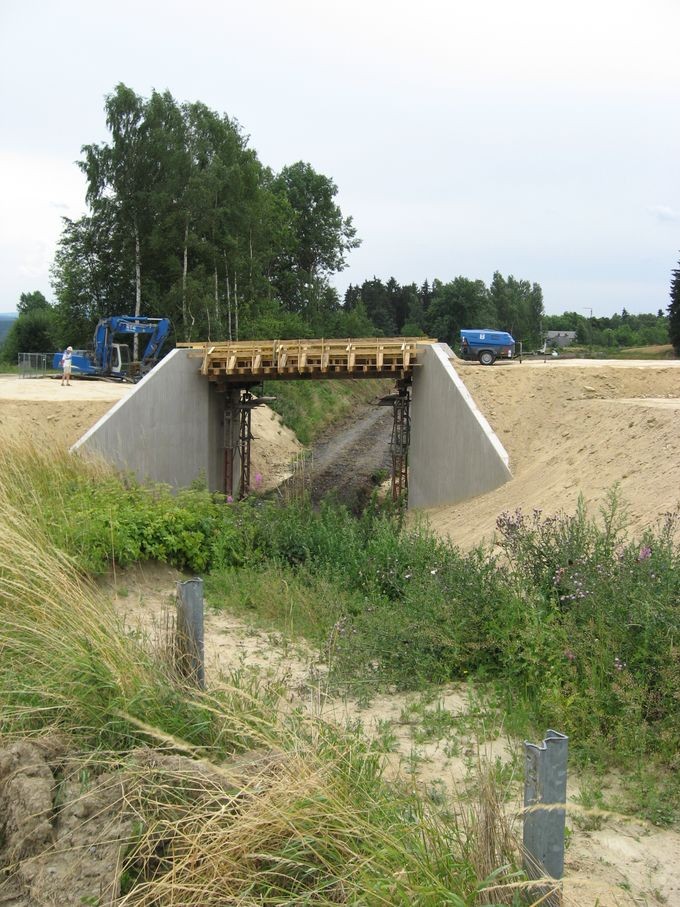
575	427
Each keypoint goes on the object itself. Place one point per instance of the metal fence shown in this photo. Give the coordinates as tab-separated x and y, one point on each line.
35	365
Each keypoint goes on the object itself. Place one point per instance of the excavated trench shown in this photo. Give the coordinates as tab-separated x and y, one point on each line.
348	461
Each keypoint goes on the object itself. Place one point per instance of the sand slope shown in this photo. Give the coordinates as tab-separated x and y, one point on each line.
570	427
46	412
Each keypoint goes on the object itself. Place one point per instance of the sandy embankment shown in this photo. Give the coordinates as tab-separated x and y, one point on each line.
44	411
575	427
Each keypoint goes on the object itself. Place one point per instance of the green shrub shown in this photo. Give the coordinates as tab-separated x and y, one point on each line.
574	624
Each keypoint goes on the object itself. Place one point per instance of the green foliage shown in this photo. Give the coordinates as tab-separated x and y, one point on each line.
519	308
307	407
615	676
32	302
674	312
320	236
462	303
295	602
574	624
108	521
319	825
609	334
34	331
6	322
443	309
577	626
186	223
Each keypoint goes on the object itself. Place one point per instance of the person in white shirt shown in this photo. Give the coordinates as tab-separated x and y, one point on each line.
66	366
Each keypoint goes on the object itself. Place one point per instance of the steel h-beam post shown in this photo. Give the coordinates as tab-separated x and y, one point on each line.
230	443
245	437
190	642
545	784
401	438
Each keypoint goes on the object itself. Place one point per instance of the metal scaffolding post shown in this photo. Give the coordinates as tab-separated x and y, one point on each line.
229	448
401	438
245	437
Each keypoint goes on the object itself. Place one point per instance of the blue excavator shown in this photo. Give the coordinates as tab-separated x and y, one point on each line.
112	360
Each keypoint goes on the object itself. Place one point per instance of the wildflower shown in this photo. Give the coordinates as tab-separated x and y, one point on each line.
559	573
619	665
230	500
432	572
258	478
645	553
569	655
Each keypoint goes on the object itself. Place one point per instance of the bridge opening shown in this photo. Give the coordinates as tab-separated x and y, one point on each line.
236	368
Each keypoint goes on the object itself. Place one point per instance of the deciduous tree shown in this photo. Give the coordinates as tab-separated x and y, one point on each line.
321	236
461	303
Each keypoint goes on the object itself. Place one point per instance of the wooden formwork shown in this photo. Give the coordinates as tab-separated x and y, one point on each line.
368	357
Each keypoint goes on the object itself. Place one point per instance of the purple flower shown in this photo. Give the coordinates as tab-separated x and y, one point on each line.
559	573
258	478
230	500
645	553
569	655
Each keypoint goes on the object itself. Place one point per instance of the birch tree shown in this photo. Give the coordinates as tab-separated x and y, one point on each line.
119	175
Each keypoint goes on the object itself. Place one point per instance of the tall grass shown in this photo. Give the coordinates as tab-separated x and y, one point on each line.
265	807
575	623
99	518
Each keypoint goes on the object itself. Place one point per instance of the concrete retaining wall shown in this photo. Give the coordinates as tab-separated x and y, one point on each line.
454	453
171	429
168	429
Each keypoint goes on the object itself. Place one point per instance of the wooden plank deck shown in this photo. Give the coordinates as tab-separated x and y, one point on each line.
365	357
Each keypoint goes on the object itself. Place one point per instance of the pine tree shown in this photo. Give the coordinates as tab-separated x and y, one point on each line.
674	311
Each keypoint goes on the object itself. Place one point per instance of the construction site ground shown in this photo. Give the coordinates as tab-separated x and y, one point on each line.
575	427
569	427
43	410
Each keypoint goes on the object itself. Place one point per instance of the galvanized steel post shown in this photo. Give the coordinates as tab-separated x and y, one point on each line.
545	784
190	641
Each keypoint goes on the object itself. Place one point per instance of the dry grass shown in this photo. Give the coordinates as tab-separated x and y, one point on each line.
236	801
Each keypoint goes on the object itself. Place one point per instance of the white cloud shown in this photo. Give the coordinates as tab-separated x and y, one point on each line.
31	223
664	213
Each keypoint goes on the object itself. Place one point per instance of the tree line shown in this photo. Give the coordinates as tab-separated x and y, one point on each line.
441	309
621	330
185	222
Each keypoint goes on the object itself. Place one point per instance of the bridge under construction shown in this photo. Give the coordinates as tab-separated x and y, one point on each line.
240	366
191	415
236	362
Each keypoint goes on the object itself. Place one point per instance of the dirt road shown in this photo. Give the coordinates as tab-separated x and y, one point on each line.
345	461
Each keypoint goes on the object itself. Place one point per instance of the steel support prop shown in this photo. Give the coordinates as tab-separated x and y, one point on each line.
245	437
401	438
230	441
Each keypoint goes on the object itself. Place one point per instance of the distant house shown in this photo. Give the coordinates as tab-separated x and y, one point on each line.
560	338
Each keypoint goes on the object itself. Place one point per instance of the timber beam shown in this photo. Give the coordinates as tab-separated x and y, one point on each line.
372	357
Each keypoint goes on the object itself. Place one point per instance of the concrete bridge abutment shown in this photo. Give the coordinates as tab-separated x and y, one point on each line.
176	427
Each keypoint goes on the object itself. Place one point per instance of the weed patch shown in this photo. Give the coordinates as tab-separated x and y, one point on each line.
573	624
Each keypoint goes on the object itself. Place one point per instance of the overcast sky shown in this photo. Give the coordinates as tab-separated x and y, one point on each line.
538	138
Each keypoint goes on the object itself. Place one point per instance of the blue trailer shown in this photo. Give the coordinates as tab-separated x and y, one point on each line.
486	345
